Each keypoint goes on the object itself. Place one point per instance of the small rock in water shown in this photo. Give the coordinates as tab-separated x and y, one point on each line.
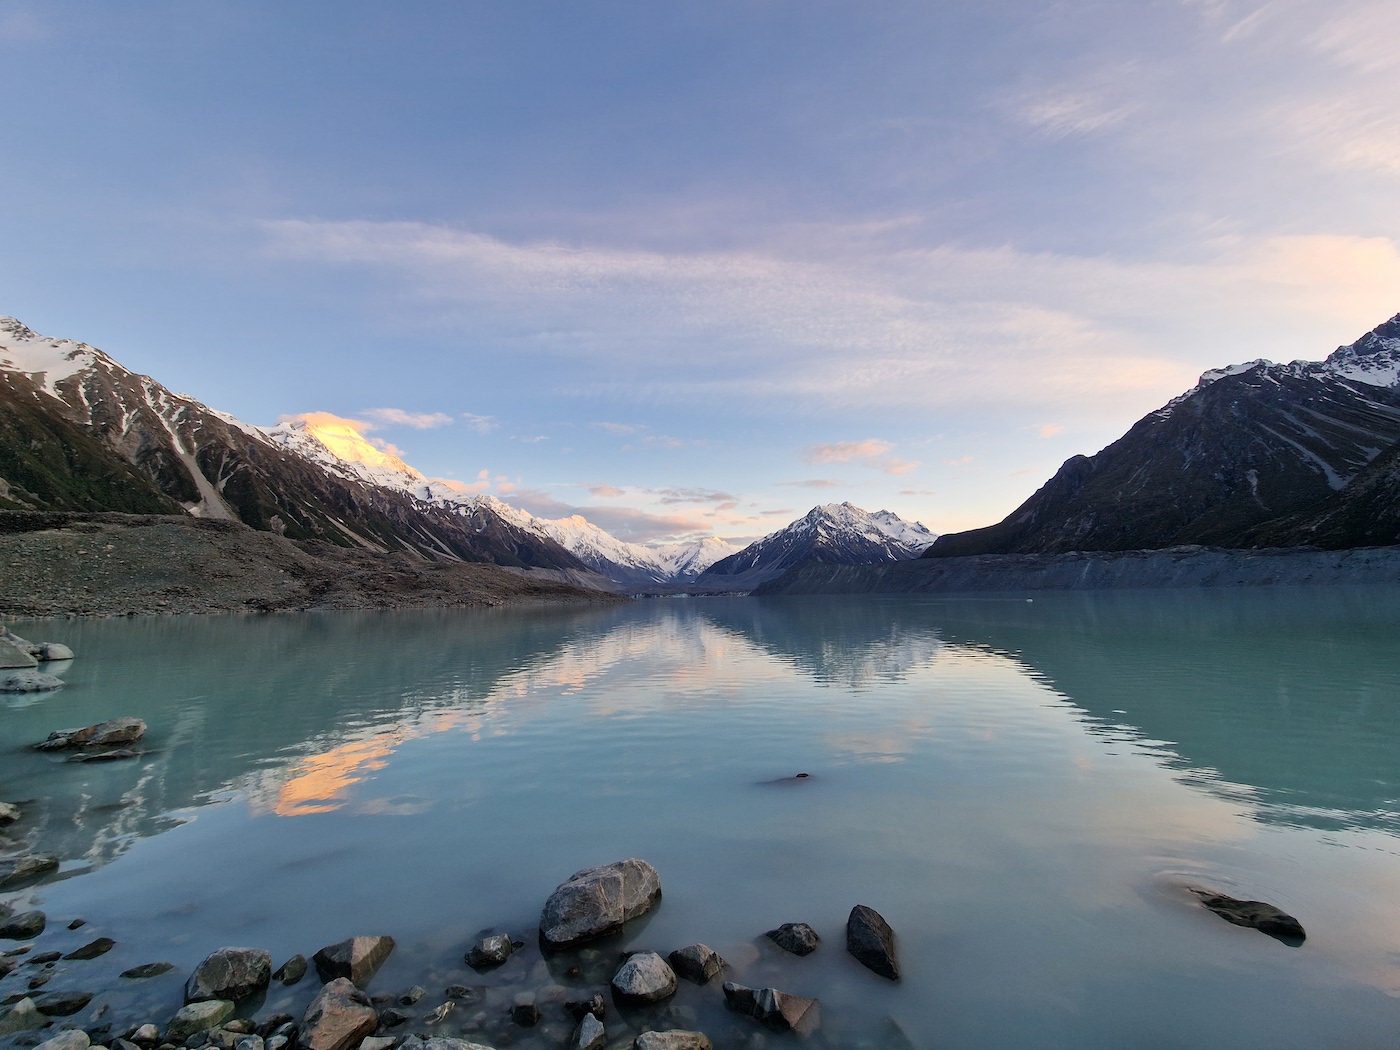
589	1035
62	1004
338	1018
780	1011
23	1016
9	813
527	1015
412	995
72	1039
291	971
675	1039
490	951
106	756
391	1018
42	958
356	959
197	1017
140	973
92	949
112	733
644	977
35	983
51	651
457	991
77	924
595	902
1256	915
17	870
29	682
442	1011
146	1035
580	1008
795	937
229	973
222	1038
696	962
870	939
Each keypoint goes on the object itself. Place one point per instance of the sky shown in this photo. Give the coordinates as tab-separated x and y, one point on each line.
691	268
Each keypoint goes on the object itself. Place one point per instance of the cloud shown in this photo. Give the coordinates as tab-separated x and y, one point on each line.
1049	430
869	453
1072	111
397	417
327	419
693	496
775	513
387	446
918	492
617	428
607	490
626	523
662	441
481	424
812	483
534	440
960	462
898	466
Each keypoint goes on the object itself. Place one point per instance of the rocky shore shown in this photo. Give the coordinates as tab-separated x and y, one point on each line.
58	564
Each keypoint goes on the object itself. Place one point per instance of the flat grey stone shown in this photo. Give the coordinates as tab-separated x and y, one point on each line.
51	651
93	949
23	926
145	970
30	682
338	1018
644	977
197	1017
146	1034
12	655
595	902
780	1011
589	1035
675	1039
416	1042
23	1016
229	973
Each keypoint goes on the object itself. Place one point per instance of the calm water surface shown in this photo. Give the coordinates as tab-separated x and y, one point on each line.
1023	789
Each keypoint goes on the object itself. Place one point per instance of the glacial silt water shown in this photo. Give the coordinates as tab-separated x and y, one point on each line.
1026	790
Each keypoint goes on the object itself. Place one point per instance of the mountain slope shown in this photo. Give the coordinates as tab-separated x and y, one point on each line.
835	533
1249	444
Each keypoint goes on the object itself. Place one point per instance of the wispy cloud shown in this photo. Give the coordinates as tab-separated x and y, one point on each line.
869	453
812	483
397	417
626	523
617	428
693	496
481	424
606	491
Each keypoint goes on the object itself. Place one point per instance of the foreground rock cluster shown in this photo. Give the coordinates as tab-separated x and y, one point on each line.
19	657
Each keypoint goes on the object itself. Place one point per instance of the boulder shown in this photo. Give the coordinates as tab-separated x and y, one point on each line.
357	959
291	971
12	655
197	1017
589	1035
140	973
580	1008
229	973
338	1018
23	1016
30	682
595	902
92	949
1254	914
795	937
146	1035
23	926
15	870
62	1004
70	1039
644	978
870	939
490	951
9	813
696	962
675	1039
417	1042
112	733
51	651
780	1011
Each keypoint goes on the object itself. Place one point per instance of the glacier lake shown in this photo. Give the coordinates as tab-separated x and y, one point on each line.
1027	790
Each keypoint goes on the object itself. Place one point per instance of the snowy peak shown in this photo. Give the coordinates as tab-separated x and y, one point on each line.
336	445
25	351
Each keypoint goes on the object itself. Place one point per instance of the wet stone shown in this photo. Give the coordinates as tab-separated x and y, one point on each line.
145	970
780	1011
29	682
338	1018
62	1004
579	1008
229	973
795	937
291	971
675	1039
1255	915
696	962
73	1039
249	1042
77	924
18	870
392	1018
356	959
589	1035
373	1042
870	939
242	1026
527	1015
644	977
42	958
114	732
197	1017
490	951
9	813
23	1016
93	949
145	1035
595	902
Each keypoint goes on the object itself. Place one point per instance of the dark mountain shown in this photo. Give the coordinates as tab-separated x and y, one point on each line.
1248	446
838	533
80	432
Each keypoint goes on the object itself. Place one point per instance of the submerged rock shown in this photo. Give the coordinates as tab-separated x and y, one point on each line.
490	951
338	1018
696	962
644	977
357	959
197	1017
140	973
291	971
580	1008
416	1042
72	1039
589	1035
595	902
107	756
780	1011
870	939
15	870
23	1016
229	973
527	1015
23	926
795	937
111	733
9	813
675	1039
62	1004
1254	914
30	682
92	949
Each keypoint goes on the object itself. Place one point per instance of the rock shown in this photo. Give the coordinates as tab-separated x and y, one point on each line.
795	937
270	1026
277	1042
870	939
37	982
140	973
291	971
383	1042
579	1008
527	1015
71	1039
29	682
14	655
107	756
338	1018
123	1044
17	870
229	973
111	733
412	995
9	813
676	1039
490	951
697	962
240	1026
415	1042
392	1018
22	926
23	1016
92	949
146	1035
1256	915
589	1035
357	959
644	977
249	1042
62	1004
780	1011
77	924
197	1017
221	1039
44	957
50	651
7	965
595	902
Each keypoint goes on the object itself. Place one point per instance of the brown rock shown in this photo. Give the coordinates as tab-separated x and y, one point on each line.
338	1018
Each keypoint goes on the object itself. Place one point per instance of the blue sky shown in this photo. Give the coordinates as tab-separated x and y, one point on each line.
697	266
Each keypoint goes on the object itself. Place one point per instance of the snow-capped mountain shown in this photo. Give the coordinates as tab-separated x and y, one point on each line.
835	532
1254	454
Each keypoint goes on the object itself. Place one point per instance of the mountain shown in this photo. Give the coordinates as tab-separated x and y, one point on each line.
1255	454
837	533
80	432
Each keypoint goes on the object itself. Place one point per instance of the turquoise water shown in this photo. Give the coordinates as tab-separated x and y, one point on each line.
1025	790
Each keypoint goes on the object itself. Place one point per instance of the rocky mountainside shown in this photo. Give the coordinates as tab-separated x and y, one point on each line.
1255	454
80	432
833	533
